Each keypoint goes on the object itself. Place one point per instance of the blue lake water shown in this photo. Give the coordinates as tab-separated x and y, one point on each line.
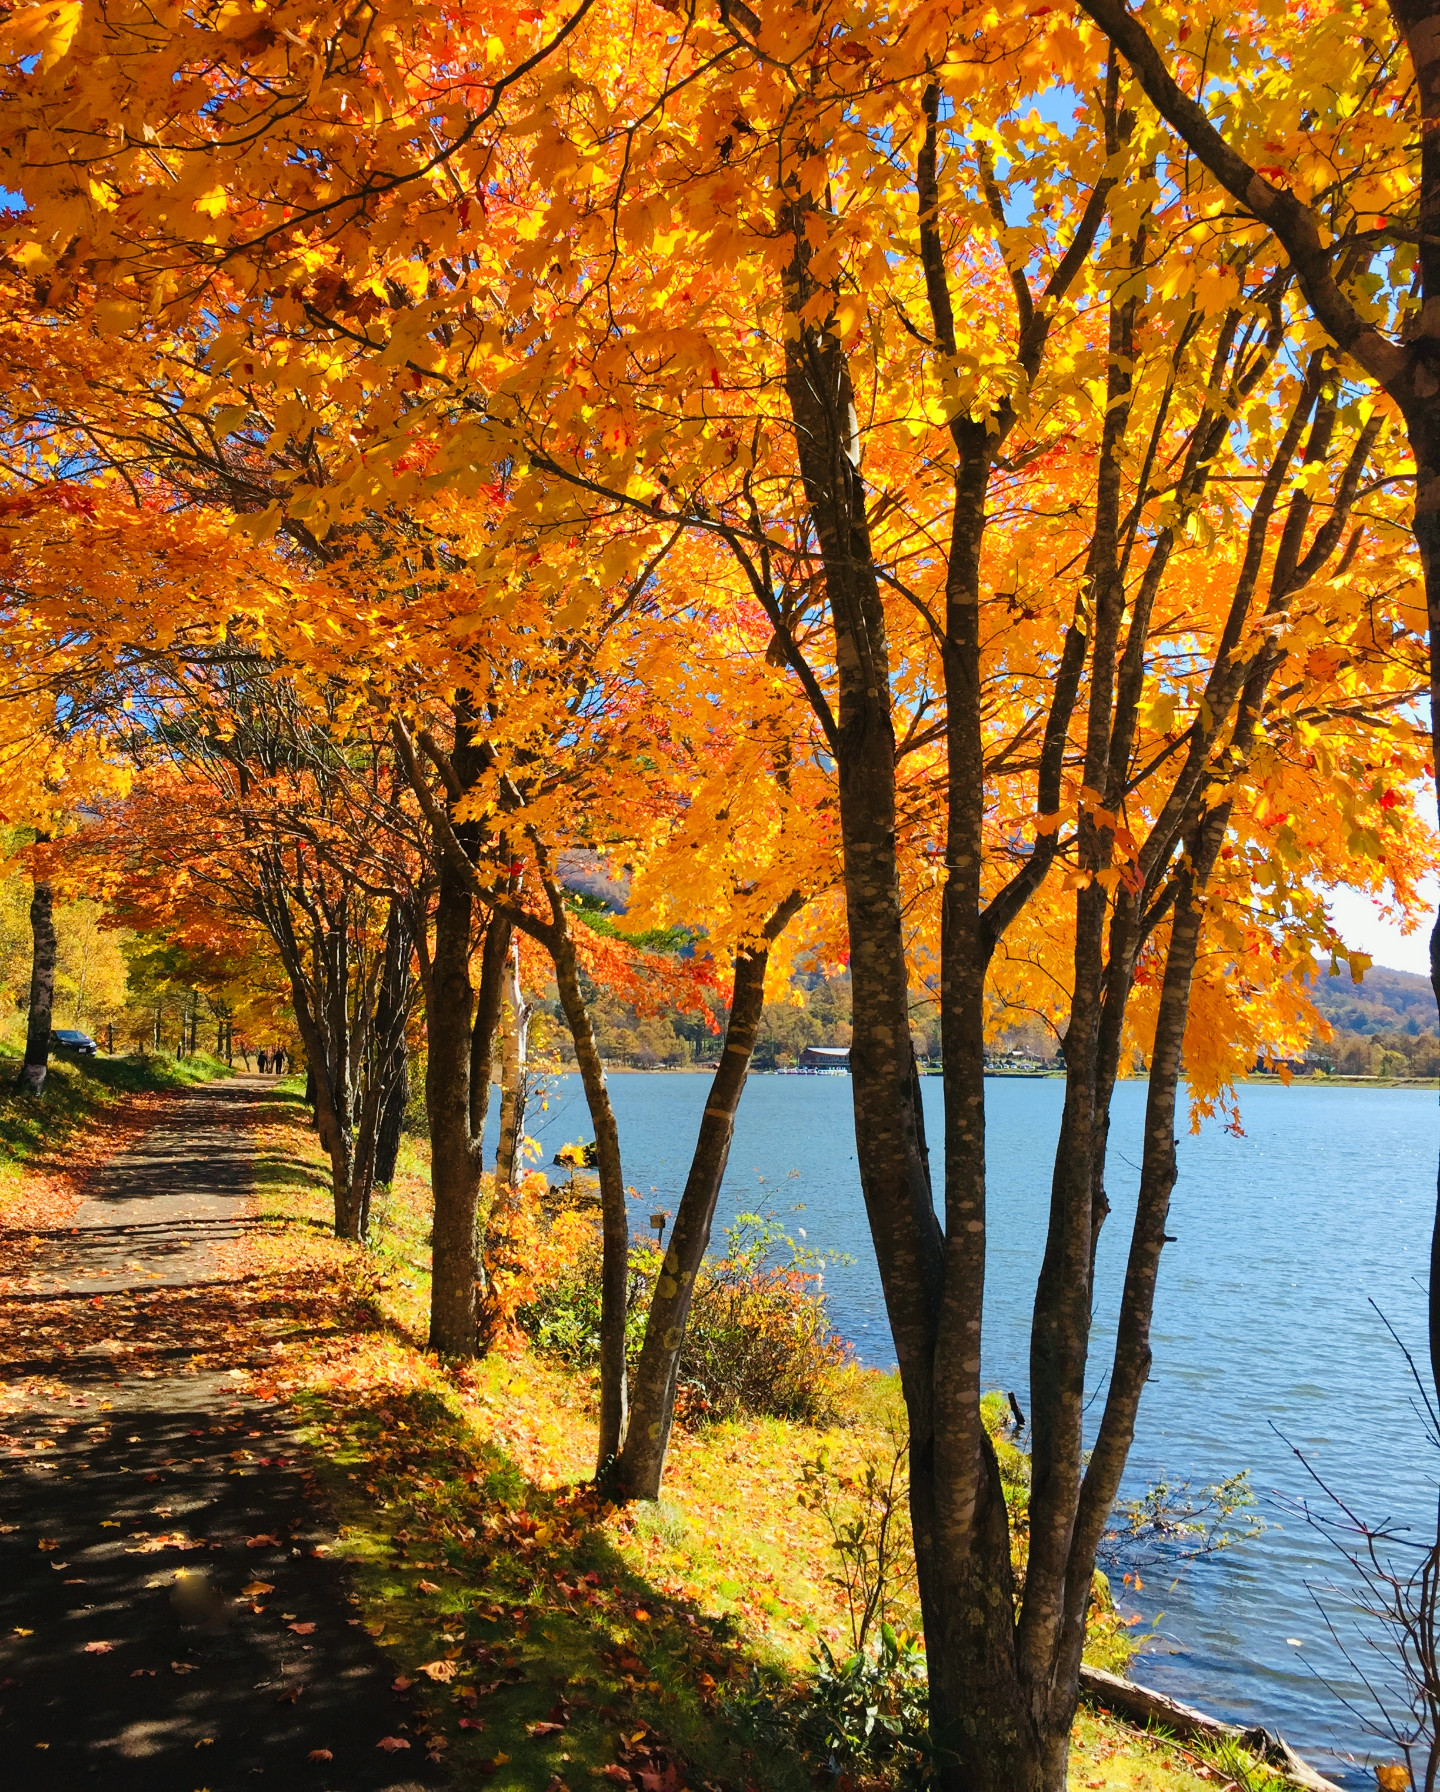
1264	1337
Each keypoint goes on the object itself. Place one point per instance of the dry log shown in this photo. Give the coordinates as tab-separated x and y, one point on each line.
1139	1704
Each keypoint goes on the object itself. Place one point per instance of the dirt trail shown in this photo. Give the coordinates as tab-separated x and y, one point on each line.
115	1476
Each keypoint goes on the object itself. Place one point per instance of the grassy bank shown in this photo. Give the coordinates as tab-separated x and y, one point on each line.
77	1090
549	1637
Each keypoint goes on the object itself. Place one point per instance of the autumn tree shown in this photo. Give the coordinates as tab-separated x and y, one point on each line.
1332	158
1059	515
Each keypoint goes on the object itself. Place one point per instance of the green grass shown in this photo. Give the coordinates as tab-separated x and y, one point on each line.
547	1635
77	1089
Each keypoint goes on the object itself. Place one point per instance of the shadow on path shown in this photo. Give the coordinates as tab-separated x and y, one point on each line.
166	1621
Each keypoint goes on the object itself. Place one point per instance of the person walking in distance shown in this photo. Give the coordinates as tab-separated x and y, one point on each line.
262	1059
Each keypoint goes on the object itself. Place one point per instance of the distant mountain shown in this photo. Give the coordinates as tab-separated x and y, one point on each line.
585	873
1384	1001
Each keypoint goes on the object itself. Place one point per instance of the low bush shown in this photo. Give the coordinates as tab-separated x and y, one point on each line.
758	1341
861	1720
528	1256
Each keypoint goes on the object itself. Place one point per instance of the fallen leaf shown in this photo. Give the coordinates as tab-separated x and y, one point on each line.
320	1755
182	1667
98	1648
303	1629
391	1743
262	1542
493	1766
543	1729
642	1617
401	1684
256	1589
443	1671
290	1695
472	1723
143	1673
428	1586
49	1543
616	1773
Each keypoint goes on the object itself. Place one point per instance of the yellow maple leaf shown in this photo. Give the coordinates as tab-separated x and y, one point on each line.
43	31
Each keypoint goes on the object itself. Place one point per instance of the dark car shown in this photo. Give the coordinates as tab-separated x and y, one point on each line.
71	1039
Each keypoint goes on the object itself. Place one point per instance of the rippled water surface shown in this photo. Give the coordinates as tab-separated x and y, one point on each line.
1264	1336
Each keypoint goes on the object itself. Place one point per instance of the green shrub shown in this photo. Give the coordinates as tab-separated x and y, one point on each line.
758	1341
862	1719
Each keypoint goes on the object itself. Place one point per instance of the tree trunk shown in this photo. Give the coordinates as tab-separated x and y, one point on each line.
36	1065
514	1054
332	1120
392	1122
454	1152
642	1461
614	1220
383	1067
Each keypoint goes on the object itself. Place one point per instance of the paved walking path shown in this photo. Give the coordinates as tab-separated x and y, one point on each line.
165	1622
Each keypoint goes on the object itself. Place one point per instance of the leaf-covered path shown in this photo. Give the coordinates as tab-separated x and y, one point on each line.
168	1618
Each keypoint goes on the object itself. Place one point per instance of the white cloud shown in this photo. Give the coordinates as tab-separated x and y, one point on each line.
1365	928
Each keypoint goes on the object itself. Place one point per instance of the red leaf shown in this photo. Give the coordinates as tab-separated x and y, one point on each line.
320	1755
391	1743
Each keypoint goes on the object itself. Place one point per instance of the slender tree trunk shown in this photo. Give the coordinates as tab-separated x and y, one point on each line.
36	1065
454	1152
642	1461
489	1010
514	1054
392	1121
332	1123
614	1219
385	1069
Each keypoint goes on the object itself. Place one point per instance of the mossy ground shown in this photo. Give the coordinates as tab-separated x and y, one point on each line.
550	1636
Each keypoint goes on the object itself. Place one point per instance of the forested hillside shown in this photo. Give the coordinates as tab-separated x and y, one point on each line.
1383	1000
1385	1025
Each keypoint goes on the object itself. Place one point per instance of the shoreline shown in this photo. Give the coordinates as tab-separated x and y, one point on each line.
1051	1076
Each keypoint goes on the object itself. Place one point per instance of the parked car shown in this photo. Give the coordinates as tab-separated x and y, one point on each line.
71	1039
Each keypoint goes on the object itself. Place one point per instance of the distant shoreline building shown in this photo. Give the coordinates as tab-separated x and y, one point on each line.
825	1057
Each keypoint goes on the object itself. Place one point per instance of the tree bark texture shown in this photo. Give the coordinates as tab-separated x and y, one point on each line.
614	1219
392	1122
514	1061
1408	370
642	1461
1004	1664
36	1064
